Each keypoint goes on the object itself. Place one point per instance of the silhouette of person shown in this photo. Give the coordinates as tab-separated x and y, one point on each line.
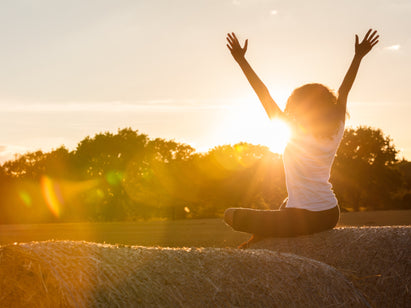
316	117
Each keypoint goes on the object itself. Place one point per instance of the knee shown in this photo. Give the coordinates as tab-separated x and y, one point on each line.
229	216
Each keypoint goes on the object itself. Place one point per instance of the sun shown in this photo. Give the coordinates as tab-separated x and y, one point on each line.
275	135
251	124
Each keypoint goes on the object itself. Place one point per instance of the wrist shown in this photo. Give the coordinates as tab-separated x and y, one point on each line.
241	60
358	57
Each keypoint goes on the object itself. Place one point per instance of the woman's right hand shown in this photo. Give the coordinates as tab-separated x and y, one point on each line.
236	51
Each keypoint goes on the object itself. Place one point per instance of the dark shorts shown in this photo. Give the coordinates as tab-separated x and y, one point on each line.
285	222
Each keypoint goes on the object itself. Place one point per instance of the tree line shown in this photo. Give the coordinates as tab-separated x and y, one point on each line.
127	176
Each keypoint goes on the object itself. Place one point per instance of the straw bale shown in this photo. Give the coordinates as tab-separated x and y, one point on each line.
377	260
82	274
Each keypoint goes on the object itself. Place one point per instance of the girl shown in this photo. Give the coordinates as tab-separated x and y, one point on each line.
316	117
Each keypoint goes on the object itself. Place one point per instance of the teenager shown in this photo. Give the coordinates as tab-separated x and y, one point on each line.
316	117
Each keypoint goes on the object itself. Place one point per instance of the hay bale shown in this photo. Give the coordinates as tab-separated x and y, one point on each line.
377	260
81	274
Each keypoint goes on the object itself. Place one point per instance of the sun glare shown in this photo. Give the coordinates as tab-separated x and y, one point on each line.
276	136
251	124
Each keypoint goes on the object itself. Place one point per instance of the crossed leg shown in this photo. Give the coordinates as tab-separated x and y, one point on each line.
286	222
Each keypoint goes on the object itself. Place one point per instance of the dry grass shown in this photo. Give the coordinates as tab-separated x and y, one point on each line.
376	259
80	274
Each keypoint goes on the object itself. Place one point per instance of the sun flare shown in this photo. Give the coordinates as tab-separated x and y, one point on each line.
252	125
276	135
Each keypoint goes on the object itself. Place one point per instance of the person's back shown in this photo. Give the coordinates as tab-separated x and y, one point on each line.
307	165
310	152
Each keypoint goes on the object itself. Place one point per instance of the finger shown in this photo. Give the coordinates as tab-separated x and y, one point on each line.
374	39
366	35
234	36
231	42
237	43
245	45
372	36
229	47
375	43
231	37
356	40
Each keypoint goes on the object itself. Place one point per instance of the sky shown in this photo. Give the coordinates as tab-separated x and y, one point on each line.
75	68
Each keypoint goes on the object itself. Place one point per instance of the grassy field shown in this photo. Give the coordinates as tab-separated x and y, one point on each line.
181	233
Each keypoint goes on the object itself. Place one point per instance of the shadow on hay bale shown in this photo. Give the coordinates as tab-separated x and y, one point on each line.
376	259
66	273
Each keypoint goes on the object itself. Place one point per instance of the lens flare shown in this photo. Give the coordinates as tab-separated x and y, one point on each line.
52	195
114	177
25	197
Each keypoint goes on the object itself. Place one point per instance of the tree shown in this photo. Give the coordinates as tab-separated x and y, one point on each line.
363	173
127	176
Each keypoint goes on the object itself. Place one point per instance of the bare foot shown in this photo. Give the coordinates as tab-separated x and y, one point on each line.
253	239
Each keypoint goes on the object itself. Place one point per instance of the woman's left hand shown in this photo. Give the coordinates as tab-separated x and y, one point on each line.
368	42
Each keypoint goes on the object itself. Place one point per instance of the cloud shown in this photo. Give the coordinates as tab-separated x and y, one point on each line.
393	47
149	105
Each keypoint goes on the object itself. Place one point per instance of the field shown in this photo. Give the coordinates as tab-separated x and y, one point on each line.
350	266
180	233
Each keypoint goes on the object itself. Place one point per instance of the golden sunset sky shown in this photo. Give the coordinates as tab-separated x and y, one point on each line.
75	68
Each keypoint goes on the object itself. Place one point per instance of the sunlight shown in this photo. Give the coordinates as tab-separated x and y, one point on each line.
249	123
276	136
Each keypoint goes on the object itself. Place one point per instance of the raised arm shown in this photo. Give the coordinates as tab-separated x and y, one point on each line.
361	49
260	89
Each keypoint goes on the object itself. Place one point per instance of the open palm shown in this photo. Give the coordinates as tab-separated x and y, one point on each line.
236	50
368	42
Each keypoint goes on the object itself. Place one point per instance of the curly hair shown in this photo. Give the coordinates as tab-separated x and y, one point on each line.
314	108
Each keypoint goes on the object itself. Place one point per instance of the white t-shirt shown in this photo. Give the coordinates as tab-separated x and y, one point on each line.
307	164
